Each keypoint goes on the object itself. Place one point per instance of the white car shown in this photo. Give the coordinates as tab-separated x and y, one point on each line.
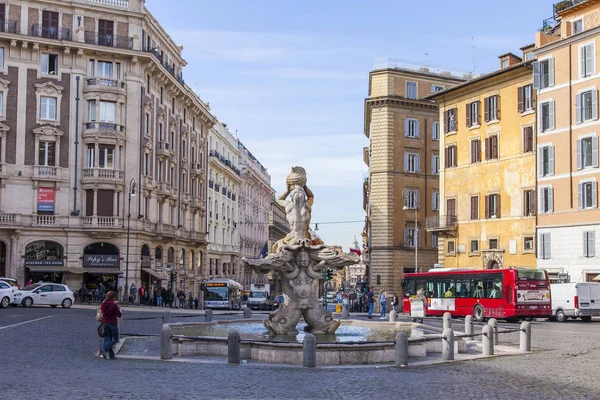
51	294
7	294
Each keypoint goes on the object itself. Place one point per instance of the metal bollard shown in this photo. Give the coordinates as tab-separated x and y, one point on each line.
393	316
208	315
447	321
525	337
345	313
493	322
247	313
166	348
167	317
448	345
469	325
309	358
401	349
487	340
233	347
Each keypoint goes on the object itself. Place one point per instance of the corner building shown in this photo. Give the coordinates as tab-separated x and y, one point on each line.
567	80
488	197
96	124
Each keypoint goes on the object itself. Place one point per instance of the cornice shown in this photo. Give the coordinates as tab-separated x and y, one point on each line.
397	101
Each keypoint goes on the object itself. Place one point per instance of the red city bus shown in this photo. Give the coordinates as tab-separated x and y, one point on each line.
510	293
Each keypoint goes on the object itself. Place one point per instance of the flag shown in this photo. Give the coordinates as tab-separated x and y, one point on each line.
264	251
356	251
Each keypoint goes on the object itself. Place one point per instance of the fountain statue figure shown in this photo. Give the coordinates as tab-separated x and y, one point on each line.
299	260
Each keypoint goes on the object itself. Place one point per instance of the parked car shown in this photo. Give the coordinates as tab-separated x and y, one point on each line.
575	300
51	294
7	294
11	281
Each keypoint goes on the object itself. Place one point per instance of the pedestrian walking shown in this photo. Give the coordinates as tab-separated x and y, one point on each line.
151	296
383	302
132	293
110	313
101	292
158	295
371	302
142	291
396	302
181	298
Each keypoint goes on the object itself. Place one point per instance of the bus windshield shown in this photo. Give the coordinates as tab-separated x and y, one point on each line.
531	275
217	293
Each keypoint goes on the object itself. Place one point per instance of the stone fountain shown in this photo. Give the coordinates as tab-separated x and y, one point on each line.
299	260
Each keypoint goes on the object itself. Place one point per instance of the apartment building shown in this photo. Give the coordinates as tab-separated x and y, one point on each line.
403	156
278	229
487	179
97	124
567	82
224	183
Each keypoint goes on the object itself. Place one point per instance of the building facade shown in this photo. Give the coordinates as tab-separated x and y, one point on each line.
256	196
567	83
402	189
278	229
487	180
224	183
97	124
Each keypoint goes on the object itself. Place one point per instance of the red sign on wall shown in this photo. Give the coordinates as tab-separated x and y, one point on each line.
45	199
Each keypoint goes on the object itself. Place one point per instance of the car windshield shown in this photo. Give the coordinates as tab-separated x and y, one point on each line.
531	275
260	295
32	287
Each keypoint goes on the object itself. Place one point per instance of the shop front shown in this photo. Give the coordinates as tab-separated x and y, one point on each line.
151	278
44	262
101	264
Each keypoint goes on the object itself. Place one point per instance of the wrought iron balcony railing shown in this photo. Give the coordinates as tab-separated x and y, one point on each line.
121	42
8	26
50	32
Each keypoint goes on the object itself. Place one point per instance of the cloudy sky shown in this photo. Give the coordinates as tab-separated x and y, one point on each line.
290	77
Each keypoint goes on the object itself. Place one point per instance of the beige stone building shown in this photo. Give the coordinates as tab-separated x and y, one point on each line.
404	162
97	123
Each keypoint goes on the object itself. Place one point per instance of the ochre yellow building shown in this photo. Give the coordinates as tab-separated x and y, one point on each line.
488	170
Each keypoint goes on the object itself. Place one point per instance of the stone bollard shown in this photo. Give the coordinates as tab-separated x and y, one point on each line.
208	315
447	321
345	313
166	349
487	341
233	347
167	317
393	316
309	358
247	313
469	325
525	337
493	322
448	345
401	349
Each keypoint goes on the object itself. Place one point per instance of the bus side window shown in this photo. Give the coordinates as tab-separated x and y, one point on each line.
477	287
409	288
463	289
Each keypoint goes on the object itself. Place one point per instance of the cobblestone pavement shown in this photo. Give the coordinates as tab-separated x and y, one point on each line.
52	358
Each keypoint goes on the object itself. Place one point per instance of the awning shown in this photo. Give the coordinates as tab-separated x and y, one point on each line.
153	273
100	270
47	268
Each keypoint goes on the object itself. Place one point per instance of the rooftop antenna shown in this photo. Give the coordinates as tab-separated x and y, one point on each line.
473	49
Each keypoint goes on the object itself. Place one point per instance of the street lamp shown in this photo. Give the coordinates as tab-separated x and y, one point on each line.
131	194
416	235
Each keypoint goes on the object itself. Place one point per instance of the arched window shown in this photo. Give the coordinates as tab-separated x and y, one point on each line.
182	260
44	250
192	264
101	248
171	257
158	257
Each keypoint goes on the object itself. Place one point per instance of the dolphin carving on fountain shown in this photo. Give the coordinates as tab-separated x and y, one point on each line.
299	260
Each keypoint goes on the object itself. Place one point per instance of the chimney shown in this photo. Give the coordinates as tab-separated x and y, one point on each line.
508	59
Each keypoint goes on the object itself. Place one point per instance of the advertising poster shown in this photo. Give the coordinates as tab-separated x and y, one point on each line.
45	199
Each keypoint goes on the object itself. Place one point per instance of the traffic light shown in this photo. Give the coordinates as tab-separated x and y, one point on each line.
328	275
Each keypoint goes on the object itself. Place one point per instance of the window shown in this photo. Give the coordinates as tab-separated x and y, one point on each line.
105	69
411	128
587	195
434	240
528	244
103	111
543	73
503	64
435	165
450	250
529	56
146	164
46	154
546	161
91	155
589	244
491	147
49	64
544	246
586	60
148	83
450	120
474	246
435	201
577	26
586	106
147	124
546	200
410	237
411	199
587	152
492	244
451	156
546	116
1	57
528	202
525	98
411	90
474	207
106	156
492	206
492	108
527	139
162	95
435	130
436	88
475	151
48	108
172	105
473	114
1	103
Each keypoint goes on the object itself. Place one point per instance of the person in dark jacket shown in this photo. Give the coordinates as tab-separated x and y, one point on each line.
110	313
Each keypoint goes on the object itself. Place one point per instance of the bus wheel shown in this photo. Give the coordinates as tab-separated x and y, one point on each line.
478	314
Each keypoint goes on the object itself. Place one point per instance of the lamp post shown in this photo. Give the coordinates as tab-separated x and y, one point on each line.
131	194
416	235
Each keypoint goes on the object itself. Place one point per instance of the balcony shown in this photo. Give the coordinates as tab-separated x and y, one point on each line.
44	220
114	3
565	5
224	161
162	149
196	168
196	202
102	84
164	189
51	32
166	229
103	175
441	223
103	222
121	42
8	26
107	128
10	219
47	172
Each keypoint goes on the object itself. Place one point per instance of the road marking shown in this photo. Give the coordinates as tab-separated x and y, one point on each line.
26	322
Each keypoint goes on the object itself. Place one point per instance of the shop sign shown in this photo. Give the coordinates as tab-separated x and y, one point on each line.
45	199
44	263
101	260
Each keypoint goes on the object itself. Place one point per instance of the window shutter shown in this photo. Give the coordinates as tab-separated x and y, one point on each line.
533	202
536	75
405	237
417	128
540	118
589	59
494	142
540	160
524	211
487	206
525	140
541	201
595	104
487	148
550	199
478	112
433	201
473	151
551	115
547	253
445	121
405	162
486	109
432	165
582	63
585	243
454	156
578	108
497	106
417	163
592	244
594	194
551	160
446	157
595	151
498	206
551	71
468	112
579	152
417	200
406	131
580	186
520	99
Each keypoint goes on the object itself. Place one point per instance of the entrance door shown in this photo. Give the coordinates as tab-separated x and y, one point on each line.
2	259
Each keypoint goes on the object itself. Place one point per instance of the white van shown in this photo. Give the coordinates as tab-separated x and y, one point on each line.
575	300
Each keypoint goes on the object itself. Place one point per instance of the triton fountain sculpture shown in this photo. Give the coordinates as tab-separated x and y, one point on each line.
299	260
